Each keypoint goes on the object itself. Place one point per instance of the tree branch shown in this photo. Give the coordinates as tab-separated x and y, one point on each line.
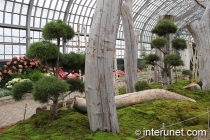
64	96
159	65
200	4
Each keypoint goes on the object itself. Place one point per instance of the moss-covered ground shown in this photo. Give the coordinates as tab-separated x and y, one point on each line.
74	126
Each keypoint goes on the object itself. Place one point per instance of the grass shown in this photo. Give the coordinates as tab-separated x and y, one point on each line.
74	126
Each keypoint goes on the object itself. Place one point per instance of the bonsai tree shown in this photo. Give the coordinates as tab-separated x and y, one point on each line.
163	29
57	30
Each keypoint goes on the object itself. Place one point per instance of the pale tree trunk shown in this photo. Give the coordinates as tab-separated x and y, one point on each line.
130	60
134	98
99	88
186	57
200	32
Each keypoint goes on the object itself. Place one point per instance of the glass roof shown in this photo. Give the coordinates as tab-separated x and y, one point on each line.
21	21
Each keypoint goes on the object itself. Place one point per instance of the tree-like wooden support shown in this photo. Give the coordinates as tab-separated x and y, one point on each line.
129	99
200	31
130	60
99	88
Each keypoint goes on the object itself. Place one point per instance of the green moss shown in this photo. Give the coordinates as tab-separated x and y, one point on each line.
74	126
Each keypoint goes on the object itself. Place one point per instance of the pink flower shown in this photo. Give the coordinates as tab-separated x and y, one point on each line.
8	63
14	56
5	66
20	66
14	67
25	63
9	72
21	61
26	67
44	69
5	71
20	70
32	63
15	62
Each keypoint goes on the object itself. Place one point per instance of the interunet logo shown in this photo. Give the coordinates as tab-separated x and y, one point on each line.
163	132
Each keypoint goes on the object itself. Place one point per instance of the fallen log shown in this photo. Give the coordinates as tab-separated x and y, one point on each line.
129	99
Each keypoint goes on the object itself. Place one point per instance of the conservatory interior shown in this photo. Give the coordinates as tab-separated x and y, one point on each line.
104	70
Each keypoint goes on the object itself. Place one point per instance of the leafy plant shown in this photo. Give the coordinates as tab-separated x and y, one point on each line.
73	61
21	88
4	92
11	83
141	85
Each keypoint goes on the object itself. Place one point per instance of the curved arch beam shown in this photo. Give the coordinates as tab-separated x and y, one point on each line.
28	21
65	19
146	4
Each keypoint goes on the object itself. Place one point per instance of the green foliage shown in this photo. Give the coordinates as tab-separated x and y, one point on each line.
76	84
164	27
49	87
122	90
43	51
4	92
173	60
179	43
187	72
73	61
21	88
56	30
159	42
151	58
141	85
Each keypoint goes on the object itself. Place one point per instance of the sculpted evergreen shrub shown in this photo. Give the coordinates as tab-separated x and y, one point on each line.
141	85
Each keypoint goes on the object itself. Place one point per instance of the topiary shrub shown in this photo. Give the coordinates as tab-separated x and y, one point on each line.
164	27
173	60
179	43
141	85
21	88
50	88
159	42
151	58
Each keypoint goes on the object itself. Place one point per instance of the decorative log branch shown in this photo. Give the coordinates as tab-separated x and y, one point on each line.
129	99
